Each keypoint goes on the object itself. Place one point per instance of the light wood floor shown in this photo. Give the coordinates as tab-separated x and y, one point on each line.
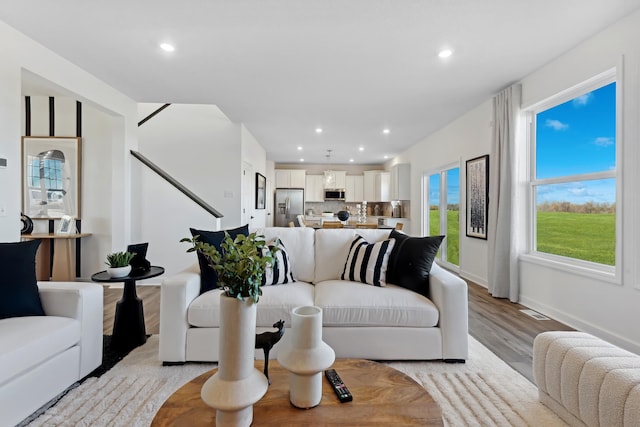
496	323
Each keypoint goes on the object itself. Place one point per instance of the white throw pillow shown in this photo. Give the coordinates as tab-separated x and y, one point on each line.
280	272
367	262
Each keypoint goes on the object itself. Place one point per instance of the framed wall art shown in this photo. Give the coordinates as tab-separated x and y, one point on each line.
51	177
261	190
477	196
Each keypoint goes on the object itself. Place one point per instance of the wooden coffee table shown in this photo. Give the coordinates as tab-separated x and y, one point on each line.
381	395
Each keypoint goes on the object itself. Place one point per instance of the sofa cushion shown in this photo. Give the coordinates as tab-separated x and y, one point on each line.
299	242
411	260
367	262
332	247
208	276
280	271
18	285
28	341
275	303
346	303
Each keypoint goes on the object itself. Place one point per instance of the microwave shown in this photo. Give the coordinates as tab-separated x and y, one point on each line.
334	194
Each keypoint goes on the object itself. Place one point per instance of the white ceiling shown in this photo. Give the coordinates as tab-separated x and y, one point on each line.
285	67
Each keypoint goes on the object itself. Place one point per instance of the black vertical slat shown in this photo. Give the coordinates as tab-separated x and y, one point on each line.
27	116
52	116
78	248
78	118
51	247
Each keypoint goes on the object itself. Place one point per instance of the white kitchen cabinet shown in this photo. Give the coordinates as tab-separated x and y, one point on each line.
335	180
354	188
314	188
401	182
290	178
377	186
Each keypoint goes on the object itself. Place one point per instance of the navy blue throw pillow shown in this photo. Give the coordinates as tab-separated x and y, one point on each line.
19	294
208	276
411	260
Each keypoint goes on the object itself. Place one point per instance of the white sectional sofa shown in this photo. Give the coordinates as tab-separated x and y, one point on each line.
359	320
40	356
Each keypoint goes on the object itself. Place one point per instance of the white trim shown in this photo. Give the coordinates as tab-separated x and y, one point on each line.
482	281
602	79
580	325
591	270
611	274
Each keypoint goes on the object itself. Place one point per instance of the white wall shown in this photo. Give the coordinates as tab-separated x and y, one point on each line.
606	309
202	149
254	154
21	56
465	138
96	174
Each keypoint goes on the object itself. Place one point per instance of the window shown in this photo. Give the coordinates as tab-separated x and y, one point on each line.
443	189
573	182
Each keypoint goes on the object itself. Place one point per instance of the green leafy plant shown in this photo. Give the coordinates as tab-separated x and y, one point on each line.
119	259
240	264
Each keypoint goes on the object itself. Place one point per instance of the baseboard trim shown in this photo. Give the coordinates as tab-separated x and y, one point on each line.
482	281
580	324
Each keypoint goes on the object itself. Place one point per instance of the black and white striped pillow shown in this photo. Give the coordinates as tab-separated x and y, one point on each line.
367	262
280	272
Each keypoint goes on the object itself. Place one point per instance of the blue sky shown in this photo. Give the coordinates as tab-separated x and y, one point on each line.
453	187
578	137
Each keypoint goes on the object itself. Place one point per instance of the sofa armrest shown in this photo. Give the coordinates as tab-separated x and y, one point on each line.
176	294
82	301
449	293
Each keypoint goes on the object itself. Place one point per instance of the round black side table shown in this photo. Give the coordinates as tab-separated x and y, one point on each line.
128	325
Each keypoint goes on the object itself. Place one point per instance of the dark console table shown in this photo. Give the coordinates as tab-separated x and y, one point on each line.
128	325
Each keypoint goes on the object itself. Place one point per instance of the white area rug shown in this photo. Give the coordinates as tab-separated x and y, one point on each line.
485	391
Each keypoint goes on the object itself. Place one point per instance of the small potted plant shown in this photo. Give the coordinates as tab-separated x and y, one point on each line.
118	264
240	265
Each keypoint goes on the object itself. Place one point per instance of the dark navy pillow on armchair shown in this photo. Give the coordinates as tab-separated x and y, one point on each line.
208	276
19	294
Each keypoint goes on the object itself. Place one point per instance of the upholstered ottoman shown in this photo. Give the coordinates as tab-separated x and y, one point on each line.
586	380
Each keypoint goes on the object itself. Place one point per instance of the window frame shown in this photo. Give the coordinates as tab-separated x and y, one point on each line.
442	171
590	269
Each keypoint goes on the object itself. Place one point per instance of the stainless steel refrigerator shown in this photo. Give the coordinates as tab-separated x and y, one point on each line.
289	204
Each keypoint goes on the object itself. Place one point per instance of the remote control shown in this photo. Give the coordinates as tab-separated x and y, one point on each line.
343	393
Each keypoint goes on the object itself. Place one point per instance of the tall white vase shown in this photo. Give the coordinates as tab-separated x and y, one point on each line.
237	385
306	356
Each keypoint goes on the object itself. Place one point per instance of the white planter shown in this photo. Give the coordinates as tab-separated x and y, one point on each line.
115	272
306	356
237	385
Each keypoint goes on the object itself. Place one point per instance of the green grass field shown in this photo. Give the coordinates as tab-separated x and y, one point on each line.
453	233
589	237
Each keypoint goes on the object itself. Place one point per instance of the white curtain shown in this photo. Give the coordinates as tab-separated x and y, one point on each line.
504	232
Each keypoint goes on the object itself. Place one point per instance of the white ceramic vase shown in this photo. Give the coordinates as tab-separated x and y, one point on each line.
237	385
305	356
116	272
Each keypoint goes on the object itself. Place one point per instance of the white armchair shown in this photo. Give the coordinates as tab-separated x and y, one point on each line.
40	356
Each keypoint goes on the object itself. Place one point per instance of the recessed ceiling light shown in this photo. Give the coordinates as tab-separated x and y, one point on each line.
318	130
361	148
351	160
167	47
386	157
445	53
302	160
299	148
385	131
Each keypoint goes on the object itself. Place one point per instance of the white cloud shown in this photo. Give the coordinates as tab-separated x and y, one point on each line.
556	124
583	100
604	141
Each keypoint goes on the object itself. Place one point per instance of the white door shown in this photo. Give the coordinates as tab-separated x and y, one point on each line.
248	191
